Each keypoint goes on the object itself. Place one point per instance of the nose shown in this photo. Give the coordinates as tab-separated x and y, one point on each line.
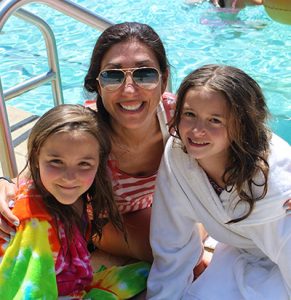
199	127
69	174
129	84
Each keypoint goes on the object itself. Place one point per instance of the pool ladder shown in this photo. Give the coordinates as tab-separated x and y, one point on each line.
13	7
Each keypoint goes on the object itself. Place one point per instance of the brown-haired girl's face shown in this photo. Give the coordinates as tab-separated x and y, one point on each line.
203	125
131	106
68	163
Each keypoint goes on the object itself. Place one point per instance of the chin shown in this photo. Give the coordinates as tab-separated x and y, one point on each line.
196	155
133	125
66	201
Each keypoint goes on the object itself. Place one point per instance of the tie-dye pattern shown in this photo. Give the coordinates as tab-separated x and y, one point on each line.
73	269
27	268
123	282
39	263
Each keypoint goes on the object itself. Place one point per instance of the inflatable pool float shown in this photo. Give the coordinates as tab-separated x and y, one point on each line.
279	10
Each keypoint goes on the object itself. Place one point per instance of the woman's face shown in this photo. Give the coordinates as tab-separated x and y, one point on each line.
131	106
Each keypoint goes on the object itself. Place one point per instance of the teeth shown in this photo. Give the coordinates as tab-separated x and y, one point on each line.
131	107
199	143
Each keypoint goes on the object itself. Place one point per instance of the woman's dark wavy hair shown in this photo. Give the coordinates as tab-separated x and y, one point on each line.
68	118
246	126
117	34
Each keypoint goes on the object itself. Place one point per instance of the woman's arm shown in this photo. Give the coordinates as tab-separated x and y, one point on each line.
137	225
287	206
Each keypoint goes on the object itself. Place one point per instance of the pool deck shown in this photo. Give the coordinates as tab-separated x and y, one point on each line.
20	131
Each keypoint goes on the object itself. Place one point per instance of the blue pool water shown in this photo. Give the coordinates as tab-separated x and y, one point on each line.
193	35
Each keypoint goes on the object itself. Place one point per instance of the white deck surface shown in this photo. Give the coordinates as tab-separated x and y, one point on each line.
15	116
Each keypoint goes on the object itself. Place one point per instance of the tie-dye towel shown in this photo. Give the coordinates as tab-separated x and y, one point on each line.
39	264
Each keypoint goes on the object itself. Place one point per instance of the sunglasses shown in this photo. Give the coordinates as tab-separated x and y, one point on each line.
113	79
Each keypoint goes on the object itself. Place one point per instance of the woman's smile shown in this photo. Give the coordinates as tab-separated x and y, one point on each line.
132	106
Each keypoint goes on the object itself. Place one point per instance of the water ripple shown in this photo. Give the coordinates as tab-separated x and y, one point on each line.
193	35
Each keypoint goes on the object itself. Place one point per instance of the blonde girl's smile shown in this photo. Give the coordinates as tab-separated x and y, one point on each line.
68	163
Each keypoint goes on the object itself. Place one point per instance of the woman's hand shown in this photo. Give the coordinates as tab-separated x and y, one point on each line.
7	194
287	206
203	264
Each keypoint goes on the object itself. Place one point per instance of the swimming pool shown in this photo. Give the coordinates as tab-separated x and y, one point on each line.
193	35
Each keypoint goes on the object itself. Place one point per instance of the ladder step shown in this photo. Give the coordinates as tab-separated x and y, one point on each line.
23	122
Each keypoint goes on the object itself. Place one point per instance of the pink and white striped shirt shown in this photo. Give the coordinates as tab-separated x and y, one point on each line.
133	193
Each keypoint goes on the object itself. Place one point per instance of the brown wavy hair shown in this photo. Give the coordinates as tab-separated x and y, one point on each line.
246	126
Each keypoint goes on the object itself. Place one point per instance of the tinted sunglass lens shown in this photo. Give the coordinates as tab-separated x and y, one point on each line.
111	79
146	77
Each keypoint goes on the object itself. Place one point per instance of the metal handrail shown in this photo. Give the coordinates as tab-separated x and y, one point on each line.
53	75
9	7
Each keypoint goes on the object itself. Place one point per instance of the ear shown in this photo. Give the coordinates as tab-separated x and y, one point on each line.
164	85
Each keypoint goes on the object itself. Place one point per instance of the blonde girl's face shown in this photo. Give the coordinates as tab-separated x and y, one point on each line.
68	163
203	126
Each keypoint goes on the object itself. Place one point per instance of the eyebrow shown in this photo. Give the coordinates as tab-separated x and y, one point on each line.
53	155
218	115
119	65
212	114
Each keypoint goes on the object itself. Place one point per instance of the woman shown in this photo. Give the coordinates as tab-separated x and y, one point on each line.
128	73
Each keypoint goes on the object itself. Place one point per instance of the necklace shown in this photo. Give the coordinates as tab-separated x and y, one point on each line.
218	189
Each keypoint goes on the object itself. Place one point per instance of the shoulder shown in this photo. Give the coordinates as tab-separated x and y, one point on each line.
29	203
169	99
169	104
279	185
279	168
279	160
173	150
280	151
177	160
